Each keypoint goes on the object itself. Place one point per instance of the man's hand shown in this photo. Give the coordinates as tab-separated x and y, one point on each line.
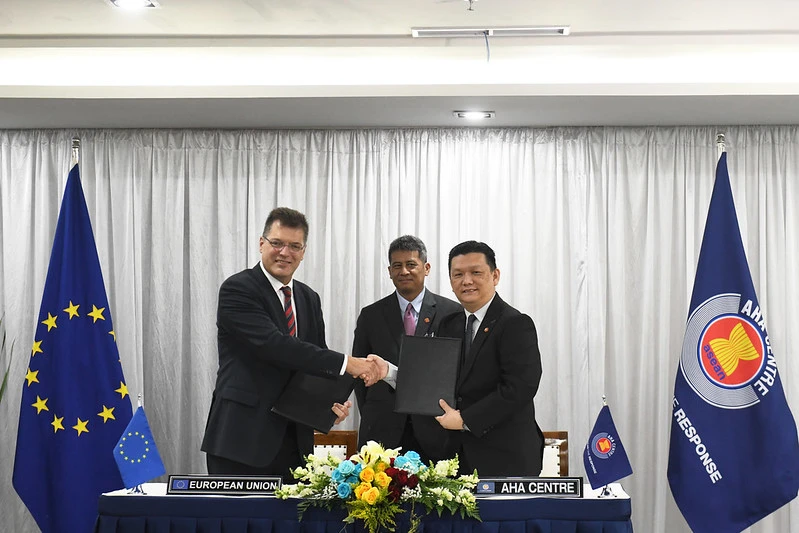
451	419
382	365
360	367
342	411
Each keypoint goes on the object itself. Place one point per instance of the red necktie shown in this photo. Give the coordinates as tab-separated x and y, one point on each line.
289	311
409	321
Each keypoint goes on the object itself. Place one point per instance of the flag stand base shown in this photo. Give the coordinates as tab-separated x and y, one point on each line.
606	492
137	490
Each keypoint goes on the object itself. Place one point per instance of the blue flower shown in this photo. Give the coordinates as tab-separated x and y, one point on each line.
344	490
400	461
337	476
352	479
413	457
346	467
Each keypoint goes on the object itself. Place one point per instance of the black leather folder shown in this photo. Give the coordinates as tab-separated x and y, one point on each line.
427	372
308	399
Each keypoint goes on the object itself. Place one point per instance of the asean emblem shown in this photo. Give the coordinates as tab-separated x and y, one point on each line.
723	353
603	445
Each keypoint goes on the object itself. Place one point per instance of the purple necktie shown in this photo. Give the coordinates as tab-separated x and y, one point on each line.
409	321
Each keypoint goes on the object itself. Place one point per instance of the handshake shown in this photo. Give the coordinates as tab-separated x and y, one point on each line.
370	369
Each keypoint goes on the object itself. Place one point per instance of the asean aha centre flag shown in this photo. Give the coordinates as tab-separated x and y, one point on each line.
75	403
734	453
604	457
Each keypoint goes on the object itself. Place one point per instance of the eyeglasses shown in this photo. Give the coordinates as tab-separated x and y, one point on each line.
279	245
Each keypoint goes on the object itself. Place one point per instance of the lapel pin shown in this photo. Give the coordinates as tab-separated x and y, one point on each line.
485	330
426	320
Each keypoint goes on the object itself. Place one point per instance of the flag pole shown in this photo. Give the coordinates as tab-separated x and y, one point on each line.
138	489
606	492
75	151
721	144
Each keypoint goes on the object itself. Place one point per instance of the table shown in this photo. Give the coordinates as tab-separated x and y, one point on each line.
158	512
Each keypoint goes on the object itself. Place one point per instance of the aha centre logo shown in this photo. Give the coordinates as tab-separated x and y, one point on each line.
603	445
723	353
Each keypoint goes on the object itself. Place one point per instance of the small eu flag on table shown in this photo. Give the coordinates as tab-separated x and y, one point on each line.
136	455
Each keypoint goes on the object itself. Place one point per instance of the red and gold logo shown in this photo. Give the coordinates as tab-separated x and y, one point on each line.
731	351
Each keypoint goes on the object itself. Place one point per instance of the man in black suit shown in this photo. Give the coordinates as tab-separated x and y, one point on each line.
492	427
269	325
410	310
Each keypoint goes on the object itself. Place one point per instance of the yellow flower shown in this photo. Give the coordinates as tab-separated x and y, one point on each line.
367	474
381	466
382	479
370	496
360	489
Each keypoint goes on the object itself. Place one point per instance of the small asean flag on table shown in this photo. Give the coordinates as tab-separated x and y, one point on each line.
604	458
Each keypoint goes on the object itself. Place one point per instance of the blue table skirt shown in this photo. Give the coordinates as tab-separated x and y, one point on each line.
195	514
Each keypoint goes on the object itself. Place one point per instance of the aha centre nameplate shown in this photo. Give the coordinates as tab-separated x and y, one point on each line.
561	487
221	485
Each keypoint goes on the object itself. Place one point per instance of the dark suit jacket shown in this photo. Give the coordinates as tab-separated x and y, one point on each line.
256	359
497	382
379	330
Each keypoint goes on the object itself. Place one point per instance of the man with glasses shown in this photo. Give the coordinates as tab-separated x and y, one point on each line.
410	310
269	325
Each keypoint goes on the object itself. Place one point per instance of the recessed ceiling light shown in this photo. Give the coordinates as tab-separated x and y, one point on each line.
474	115
133	4
491	31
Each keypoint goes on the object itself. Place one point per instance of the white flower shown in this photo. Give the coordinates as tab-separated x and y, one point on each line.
442	468
372	452
465	497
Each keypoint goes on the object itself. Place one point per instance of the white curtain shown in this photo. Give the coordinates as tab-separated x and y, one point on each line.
596	230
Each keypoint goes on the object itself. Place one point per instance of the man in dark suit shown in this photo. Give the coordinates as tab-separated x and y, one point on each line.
269	325
492	427
410	310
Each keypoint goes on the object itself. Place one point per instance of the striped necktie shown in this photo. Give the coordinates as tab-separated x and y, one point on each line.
292	324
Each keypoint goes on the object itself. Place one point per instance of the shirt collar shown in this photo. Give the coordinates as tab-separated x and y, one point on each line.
480	314
276	283
417	302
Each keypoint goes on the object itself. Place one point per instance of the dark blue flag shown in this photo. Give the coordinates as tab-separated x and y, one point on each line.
75	403
604	457
136	455
734	452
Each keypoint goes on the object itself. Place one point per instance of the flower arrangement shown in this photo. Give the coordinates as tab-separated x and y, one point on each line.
374	484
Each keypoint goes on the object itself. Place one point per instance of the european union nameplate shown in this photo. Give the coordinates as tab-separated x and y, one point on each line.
561	487
233	485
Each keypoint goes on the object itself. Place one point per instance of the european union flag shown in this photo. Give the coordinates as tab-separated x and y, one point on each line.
734	452
604	457
75	403
136	455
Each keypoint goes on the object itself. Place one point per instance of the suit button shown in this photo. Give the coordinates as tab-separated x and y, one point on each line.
459	400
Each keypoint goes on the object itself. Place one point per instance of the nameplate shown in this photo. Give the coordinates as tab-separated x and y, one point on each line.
232	485
561	487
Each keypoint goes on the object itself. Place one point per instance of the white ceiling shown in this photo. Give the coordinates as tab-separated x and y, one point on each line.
352	63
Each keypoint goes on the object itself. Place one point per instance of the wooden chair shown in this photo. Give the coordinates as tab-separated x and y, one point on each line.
340	443
556	443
